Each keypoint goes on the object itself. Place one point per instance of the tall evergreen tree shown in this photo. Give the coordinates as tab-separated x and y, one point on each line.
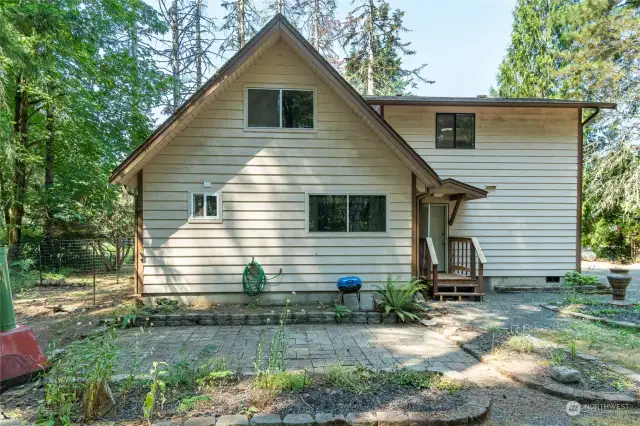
529	68
373	39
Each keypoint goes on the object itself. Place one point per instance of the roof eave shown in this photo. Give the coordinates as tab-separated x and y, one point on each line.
472	103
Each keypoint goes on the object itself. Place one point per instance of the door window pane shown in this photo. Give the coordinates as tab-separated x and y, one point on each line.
445	131
464	131
198	205
367	213
327	213
297	109
263	108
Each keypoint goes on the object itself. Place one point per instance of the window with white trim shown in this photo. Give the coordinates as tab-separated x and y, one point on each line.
206	205
347	213
280	108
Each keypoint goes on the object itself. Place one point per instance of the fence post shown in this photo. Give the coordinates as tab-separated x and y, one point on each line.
118	254
93	265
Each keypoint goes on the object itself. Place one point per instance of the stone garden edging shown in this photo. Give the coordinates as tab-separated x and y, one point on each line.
548	385
622	324
473	411
190	319
592	289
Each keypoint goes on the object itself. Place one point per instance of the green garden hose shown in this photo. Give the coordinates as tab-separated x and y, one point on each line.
254	279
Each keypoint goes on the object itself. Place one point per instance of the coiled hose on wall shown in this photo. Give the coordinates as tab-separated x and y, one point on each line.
254	279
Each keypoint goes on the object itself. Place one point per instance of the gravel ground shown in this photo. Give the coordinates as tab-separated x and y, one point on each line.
512	403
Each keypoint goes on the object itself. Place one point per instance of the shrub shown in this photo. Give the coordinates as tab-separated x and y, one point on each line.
399	299
576	278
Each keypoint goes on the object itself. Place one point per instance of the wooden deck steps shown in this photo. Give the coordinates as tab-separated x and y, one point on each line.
459	295
457	286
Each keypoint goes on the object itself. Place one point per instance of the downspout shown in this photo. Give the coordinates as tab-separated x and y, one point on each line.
582	123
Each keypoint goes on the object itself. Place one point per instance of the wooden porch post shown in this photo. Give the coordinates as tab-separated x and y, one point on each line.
579	200
139	246
414	228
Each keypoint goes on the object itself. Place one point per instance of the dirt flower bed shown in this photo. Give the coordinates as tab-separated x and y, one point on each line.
517	348
342	390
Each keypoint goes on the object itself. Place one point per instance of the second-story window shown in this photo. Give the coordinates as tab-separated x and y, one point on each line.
456	131
280	108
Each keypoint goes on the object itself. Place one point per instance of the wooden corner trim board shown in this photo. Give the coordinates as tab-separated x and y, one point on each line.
139	241
581	124
414	227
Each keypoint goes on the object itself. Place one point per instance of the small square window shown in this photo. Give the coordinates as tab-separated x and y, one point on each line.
455	131
206	206
280	109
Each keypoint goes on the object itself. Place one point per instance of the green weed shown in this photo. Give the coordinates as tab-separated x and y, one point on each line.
283	381
412	378
520	344
190	403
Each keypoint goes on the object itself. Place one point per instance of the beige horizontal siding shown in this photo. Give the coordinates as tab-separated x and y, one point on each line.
527	226
264	177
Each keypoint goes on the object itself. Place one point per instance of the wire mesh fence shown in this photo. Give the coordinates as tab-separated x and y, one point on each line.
68	262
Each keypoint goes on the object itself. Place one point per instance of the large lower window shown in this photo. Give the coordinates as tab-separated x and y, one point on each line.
347	213
280	108
206	206
455	130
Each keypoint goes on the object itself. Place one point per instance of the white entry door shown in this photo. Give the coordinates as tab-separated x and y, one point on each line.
438	222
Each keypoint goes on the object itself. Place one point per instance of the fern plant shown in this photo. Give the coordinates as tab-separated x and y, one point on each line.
341	312
399	298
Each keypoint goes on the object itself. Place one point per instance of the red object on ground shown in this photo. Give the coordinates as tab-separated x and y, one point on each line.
20	353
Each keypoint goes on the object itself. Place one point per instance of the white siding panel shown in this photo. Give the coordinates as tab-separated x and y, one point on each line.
527	225
264	177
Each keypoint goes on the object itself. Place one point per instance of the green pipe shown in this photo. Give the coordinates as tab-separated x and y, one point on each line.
7	315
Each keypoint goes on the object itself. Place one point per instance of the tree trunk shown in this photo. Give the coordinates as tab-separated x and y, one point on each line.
5	196
49	159
175	55
279	8
199	53
240	21
19	178
316	25
370	37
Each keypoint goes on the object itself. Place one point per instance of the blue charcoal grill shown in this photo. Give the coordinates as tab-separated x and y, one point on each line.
348	285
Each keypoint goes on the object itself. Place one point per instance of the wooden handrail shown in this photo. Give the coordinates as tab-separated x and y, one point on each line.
479	251
467	258
432	251
429	259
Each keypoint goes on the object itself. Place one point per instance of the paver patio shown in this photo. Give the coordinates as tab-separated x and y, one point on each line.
310	347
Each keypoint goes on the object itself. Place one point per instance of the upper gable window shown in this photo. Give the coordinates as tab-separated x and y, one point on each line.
280	108
456	131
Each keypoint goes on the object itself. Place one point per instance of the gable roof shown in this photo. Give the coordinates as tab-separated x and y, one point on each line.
480	101
277	29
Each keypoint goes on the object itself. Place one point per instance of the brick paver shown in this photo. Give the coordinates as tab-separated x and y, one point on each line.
310	347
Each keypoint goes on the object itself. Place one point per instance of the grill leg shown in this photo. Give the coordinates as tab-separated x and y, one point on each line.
359	305
342	299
